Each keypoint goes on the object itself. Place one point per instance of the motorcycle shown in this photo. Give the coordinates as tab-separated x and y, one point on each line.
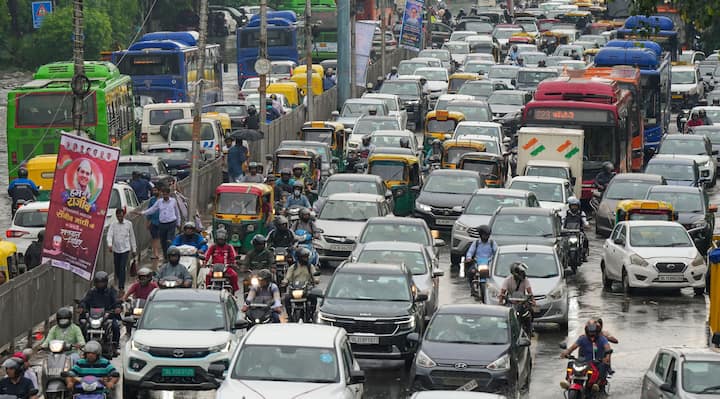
219	280
583	379
304	240
434	162
523	311
681	120
132	310
576	249
91	387
170	282
282	256
57	362
299	311
478	272
97	325
190	258
259	313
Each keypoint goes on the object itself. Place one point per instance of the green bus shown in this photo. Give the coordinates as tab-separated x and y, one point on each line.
324	17
40	110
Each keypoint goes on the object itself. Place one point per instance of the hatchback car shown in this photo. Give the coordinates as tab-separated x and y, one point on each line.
713	133
682	373
28	221
480	343
394	107
316	363
443	194
491	129
400	230
552	192
652	254
505	102
696	147
676	171
237	110
355	108
504	73
623	186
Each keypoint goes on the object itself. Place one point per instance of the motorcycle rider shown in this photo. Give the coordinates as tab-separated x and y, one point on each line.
593	347
576	217
22	188
143	287
306	223
253	176
298	171
67	331
191	237
284	184
220	251
282	236
366	147
95	365
15	383
104	297
173	268
603	178
260	257
482	249
29	372
297	198
265	292
302	272
516	284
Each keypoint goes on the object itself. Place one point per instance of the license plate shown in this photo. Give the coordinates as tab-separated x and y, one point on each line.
355	339
445	222
178	372
470	386
95	331
671	277
341	247
677	97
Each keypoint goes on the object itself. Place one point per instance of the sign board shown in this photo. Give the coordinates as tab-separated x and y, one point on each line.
40	10
412	26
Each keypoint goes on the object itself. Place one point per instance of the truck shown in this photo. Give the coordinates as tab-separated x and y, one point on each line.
552	152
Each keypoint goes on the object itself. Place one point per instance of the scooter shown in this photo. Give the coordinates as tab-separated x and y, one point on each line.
524	312
583	379
299	311
57	362
91	387
304	240
190	258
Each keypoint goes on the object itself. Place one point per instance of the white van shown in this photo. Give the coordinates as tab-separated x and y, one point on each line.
211	135
156	115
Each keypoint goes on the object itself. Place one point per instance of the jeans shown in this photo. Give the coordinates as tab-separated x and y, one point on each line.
166	232
275	316
120	260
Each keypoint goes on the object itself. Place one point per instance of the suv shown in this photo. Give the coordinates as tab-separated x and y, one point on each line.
413	99
378	305
443	194
181	333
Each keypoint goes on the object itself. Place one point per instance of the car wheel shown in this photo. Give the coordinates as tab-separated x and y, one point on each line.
699	291
607	282
627	289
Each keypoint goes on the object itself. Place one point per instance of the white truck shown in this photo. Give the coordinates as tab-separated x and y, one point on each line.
552	152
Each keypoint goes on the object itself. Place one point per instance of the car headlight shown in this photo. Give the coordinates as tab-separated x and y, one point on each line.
423	207
136	346
698	261
324	319
637	260
503	363
407	324
461	228
424	361
699	224
220	348
557	293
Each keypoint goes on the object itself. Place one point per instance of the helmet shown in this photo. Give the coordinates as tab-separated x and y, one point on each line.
93	347
436	142
189	225
393	69
518	270
14	363
63	317
514	47
173	251
484	230
41	235
281	220
573	201
303	253
298	185
305	212
404	142
259	239
299	165
285	171
423	80
22	173
608	166
221	234
264	274
101	277
252	165
591	328
144	271
366	138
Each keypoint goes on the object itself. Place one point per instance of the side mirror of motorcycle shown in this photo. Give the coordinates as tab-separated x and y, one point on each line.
241	324
523	341
217	370
317	292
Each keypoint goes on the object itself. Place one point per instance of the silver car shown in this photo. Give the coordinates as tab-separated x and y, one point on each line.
682	373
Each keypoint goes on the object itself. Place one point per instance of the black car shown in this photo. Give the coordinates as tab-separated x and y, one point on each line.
473	342
713	133
237	110
378	306
444	194
177	157
411	96
676	171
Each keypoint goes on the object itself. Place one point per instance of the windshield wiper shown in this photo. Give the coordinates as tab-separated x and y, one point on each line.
217	328
709	389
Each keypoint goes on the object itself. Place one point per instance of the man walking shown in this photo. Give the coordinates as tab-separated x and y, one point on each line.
141	186
121	242
169	218
237	155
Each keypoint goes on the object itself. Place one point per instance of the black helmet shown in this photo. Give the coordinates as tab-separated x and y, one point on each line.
41	235
518	270
608	166
101	277
366	138
303	253
63	317
484	230
258	240
22	173
404	142
591	328
305	212
173	251
93	347
264	274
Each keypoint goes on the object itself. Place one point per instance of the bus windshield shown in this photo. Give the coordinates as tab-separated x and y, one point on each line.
249	38
150	64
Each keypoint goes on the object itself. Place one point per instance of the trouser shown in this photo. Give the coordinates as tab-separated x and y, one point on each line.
115	327
167	234
275	316
470	270
120	261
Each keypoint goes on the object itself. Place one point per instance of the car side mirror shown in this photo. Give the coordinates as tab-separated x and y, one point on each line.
573	180
216	370
698	242
513	82
357	377
438	273
523	341
413	337
241	324
317	292
619	241
666	387
438	242
415	189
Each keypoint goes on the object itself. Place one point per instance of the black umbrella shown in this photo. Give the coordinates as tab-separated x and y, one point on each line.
247	134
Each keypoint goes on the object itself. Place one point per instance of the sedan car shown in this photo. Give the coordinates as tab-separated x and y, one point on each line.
682	373
441	198
481	89
394	106
552	192
546	276
421	263
355	108
480	343
696	147
491	129
401	230
622	187
437	81
652	254
352	183
177	157
505	102
368	125
504	73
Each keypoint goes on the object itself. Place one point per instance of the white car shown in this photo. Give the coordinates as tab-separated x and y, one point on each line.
552	192
394	105
121	197
466	128
316	363
437	81
458	50
251	85
652	254
254	99
687	86
444	99
29	220
211	135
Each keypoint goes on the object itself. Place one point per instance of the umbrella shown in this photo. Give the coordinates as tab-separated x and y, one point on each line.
247	134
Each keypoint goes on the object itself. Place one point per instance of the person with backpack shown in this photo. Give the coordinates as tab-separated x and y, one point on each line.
480	250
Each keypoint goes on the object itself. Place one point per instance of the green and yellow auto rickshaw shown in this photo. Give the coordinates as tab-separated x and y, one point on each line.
8	260
453	149
331	133
492	167
243	210
401	174
41	170
440	125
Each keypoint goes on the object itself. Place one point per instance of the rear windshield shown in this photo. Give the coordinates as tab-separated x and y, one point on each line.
31	218
183	132
159	117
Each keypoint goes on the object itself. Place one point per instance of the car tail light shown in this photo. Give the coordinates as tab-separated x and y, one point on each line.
217	150
15	233
241	96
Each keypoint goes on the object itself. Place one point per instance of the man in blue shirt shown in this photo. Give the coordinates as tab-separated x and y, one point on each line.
22	188
328	81
141	186
237	155
297	198
481	250
190	237
593	347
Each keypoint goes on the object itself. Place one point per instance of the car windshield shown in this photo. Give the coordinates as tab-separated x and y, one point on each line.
713	135
174	154
507	98
348	186
671	171
369	287
468	329
477	89
400	88
280	69
251	84
349	210
503	73
433	74
237	204
408	68
359	109
321	135
505	33
488	204
683	77
459	48
394	232
540	265
31	218
523	225
367	126
713	113
444	126
232	110
535	77
628	189
160	117
183	132
659	236
479	26
547	171
683	147
174	315
464	130
550	192
476	67
700	376
472	113
286	363
681	202
414	260
126	168
451	184
386	140
485	168
442	55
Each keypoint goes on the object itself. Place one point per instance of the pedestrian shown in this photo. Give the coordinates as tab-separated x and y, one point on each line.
121	242
237	156
252	121
153	224
141	186
168	216
393	75
277	106
328	82
228	144
33	254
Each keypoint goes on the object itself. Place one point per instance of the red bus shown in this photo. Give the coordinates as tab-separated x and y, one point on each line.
604	111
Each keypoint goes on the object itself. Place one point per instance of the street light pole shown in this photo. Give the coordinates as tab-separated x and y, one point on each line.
80	83
262	90
383	28
308	59
197	119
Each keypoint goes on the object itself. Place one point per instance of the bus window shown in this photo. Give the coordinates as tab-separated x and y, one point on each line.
155	64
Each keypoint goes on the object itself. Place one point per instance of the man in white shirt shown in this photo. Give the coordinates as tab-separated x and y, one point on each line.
121	242
169	215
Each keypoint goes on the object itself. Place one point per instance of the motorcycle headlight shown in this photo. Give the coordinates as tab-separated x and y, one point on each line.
279	258
254	282
57	346
95	323
297	294
637	260
89	387
573	240
424	361
217	274
422	207
220	348
137	311
136	346
461	228
503	363
698	261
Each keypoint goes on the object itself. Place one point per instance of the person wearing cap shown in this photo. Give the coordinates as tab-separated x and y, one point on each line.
33	254
14	383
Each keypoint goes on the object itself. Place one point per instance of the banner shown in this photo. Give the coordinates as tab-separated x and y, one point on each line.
411	31
364	32
84	177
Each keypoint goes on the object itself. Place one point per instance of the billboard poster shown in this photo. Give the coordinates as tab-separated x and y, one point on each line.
364	32
412	26
84	177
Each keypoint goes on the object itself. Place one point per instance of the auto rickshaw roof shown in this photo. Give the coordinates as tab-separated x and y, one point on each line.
465	75
409	159
323	125
453	143
480	156
445	115
296	152
650	205
249	188
44	160
302	144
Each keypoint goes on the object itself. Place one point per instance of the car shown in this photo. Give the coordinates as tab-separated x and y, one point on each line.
408	67
533	58
28	221
316	363
123	197
177	158
552	192
504	73
412	97
652	254
568	49
443	194
369	124
284	103
599	40
692	209
690	56
527	226
458	50
484	343
546	275
441	394
460	35
528	79
251	85
676	171
237	110
360	183
480	67
503	32
444	100
282	69
687	87
211	135
466	128
180	335
394	107
391	139
441	54
390	42
492	145
622	187
439	33
682	373
508	102
424	268
713	133
152	167
479	210
378	306
481	89
437	80
473	110
401	230
693	146
355	108
341	219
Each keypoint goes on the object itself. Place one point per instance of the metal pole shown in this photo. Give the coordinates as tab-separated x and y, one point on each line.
263	82
197	120
353	61
383	28
344	51
308	59
79	78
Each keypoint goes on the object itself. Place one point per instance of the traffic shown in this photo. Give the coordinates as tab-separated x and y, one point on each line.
523	206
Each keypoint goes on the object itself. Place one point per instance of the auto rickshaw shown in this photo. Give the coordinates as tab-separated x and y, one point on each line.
41	170
644	210
458	79
522	37
223	118
288	157
289	89
550	40
440	125
243	210
301	80
492	167
302	69
8	260
401	174
455	148
331	133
